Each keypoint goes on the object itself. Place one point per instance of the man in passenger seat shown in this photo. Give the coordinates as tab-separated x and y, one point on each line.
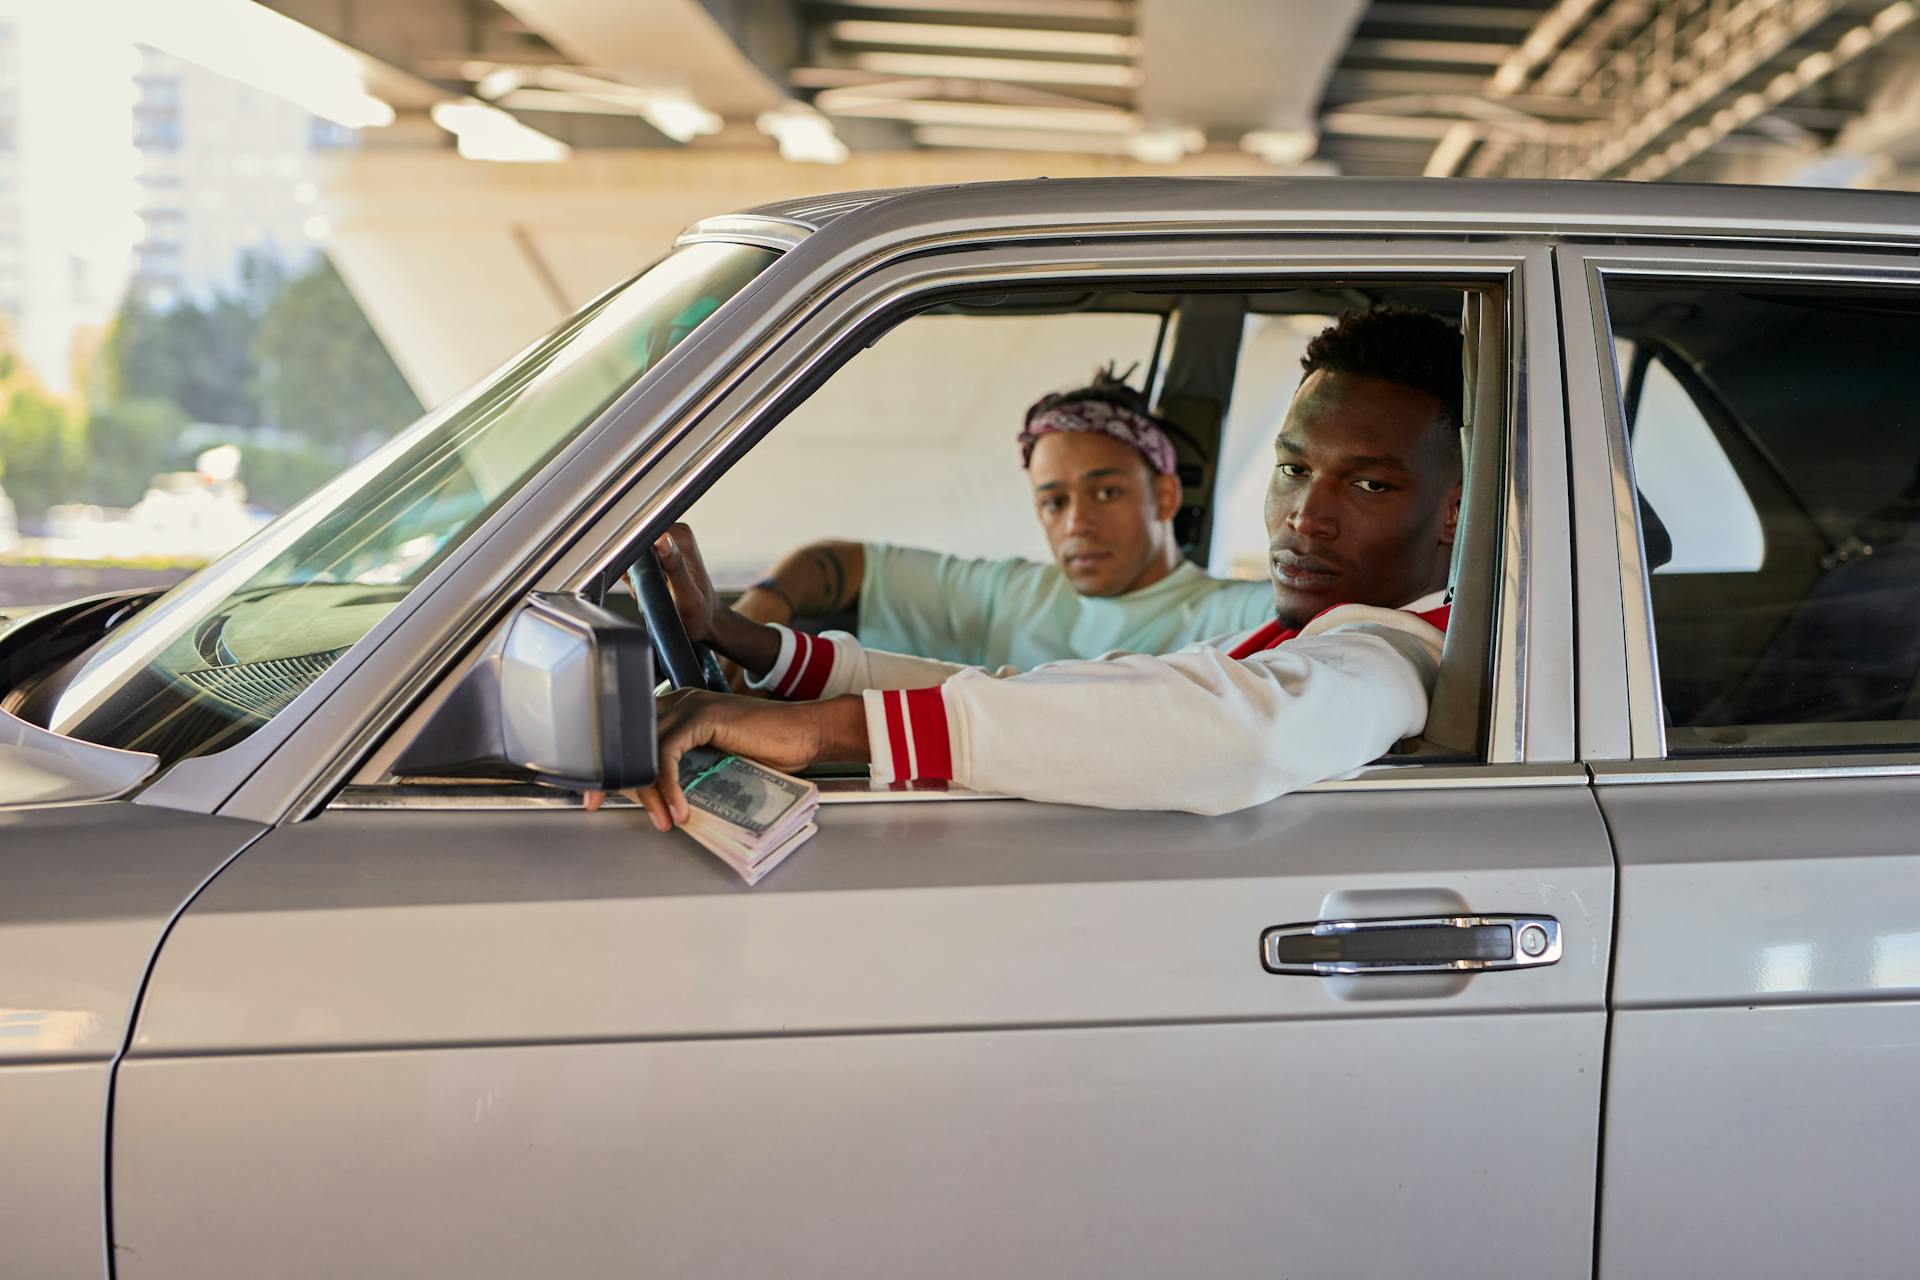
1105	490
1361	513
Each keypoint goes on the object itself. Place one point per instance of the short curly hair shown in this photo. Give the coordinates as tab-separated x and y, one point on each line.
1394	344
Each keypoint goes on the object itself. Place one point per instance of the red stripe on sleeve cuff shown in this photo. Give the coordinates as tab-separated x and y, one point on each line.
927	726
811	674
795	665
908	735
781	674
897	754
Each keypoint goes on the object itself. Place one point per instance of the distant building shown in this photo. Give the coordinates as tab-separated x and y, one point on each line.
227	170
121	167
67	190
13	275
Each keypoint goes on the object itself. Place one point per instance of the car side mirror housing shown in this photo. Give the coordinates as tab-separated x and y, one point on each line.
564	696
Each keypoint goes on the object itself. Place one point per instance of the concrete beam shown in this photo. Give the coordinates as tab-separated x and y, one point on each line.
1228	67
392	40
674	45
1890	126
458	265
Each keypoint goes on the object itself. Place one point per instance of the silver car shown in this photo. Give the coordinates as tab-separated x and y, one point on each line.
313	964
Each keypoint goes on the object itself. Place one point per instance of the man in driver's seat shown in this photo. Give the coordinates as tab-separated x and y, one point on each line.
1105	489
1360	515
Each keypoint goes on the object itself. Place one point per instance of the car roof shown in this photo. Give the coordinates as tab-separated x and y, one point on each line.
1362	205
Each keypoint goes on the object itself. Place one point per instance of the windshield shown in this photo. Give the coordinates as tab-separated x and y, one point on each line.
222	653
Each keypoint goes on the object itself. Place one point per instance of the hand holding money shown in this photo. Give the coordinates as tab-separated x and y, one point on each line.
720	762
749	816
778	735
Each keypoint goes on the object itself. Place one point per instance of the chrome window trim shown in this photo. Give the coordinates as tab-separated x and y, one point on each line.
854	791
759	230
781	233
1519	718
687	453
1454	777
387	797
1539	601
1600	211
1608	555
1901	763
1619	659
1526	718
817	286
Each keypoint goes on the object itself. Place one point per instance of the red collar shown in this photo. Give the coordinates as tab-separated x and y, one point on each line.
1278	632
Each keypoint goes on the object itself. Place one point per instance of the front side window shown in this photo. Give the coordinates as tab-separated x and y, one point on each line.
912	443
1776	444
895	502
225	651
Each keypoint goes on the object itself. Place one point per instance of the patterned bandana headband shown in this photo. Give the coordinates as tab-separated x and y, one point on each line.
1135	430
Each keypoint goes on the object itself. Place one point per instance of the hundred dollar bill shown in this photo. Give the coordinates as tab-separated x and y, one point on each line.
749	816
746	796
767	860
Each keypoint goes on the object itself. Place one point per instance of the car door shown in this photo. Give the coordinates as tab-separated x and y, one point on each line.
425	1031
86	894
1761	785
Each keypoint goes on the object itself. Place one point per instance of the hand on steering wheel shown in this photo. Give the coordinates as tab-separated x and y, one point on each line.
686	660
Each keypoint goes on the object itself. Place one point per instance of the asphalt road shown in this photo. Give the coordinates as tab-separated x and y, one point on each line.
28	586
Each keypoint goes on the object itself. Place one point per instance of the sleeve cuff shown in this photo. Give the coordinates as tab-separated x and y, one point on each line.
910	735
801	672
782	665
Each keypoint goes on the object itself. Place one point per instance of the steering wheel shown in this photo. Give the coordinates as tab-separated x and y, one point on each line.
688	665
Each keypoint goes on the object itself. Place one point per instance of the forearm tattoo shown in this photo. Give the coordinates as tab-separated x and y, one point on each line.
833	576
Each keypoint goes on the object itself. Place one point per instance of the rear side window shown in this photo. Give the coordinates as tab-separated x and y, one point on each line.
1686	474
1776	442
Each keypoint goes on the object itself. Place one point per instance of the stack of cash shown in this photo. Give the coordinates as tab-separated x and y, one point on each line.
749	816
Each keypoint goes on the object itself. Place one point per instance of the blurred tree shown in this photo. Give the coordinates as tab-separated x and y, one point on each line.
197	355
278	478
324	374
43	447
129	442
293	362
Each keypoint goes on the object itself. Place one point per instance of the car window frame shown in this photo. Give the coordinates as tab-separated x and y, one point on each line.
1485	326
1529	686
1622	727
285	770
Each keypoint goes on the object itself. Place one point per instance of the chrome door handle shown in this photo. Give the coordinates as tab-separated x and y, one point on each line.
1411	944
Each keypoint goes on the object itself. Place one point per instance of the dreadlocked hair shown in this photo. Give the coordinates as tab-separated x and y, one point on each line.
1107	387
1394	344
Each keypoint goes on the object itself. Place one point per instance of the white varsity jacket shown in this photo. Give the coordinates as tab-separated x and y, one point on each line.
1215	727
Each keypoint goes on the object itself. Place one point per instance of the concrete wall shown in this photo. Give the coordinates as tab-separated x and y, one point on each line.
913	442
459	264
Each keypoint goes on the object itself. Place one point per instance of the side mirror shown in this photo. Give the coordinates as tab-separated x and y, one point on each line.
564	696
